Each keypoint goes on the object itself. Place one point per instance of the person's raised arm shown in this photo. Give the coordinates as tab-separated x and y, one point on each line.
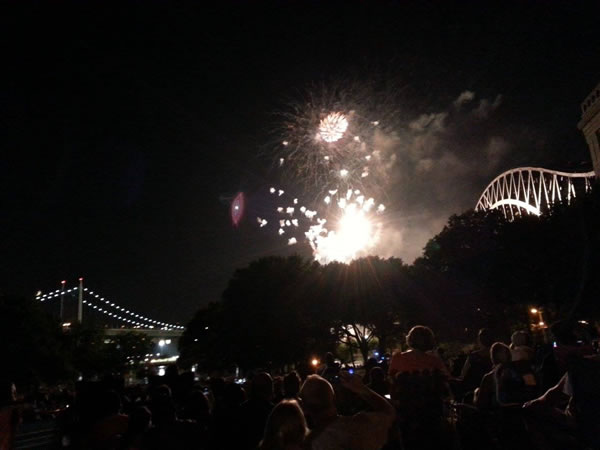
355	384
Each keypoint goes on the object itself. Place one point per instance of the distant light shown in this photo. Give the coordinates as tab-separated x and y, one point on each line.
206	328
80	278
38	293
315	362
541	324
66	324
161	343
533	310
63	282
168	341
376	353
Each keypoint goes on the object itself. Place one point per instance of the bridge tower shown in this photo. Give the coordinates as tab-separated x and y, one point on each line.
590	126
80	302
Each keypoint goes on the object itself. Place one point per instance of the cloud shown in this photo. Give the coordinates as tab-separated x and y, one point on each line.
463	98
486	107
497	148
429	122
424	165
444	159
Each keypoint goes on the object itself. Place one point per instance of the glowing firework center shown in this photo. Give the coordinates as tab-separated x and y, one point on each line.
356	233
333	127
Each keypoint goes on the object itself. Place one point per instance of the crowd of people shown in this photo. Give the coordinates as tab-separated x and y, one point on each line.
501	395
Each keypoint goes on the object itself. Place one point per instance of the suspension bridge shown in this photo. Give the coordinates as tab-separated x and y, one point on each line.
116	313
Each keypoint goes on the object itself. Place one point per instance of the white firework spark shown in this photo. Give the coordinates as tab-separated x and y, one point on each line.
333	127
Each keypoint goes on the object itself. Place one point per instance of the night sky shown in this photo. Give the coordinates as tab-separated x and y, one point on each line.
128	127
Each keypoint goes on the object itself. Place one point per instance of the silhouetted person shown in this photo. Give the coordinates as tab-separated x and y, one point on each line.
226	417
139	423
196	408
9	417
106	432
478	362
567	346
519	346
328	430
485	395
419	357
378	382
291	385
566	416
254	412
277	389
331	368
167	430
371	362
286	428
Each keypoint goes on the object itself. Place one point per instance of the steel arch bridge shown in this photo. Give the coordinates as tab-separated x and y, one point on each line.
532	190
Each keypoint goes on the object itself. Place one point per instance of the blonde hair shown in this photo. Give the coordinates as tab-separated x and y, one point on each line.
285	426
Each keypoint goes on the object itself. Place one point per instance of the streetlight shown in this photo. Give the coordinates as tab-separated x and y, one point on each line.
540	323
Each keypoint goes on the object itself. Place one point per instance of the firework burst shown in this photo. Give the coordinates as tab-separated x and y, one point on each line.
334	145
346	227
336	136
333	127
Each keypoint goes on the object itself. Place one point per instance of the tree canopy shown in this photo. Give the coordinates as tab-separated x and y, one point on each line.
480	270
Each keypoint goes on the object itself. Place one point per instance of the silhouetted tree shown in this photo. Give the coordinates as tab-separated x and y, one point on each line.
32	343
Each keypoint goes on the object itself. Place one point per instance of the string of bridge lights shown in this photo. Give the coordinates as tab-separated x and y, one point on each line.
150	323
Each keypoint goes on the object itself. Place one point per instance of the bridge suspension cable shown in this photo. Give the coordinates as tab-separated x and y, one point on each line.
532	190
100	304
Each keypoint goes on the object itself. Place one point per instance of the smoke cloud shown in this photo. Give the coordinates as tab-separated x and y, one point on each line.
441	163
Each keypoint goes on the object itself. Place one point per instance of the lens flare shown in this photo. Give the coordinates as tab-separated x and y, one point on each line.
237	209
333	127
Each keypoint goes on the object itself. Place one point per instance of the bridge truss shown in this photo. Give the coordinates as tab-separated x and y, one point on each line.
532	190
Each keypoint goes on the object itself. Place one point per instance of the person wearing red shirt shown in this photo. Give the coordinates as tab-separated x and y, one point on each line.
419	357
